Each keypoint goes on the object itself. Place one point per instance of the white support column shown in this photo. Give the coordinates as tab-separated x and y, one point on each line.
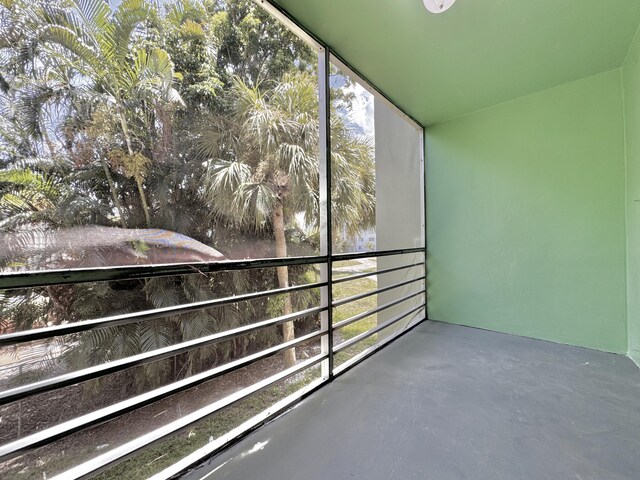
326	293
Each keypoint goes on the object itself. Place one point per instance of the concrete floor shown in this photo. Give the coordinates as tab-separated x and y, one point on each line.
446	402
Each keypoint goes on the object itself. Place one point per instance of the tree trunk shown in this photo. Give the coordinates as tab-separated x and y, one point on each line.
334	237
283	281
127	138
114	194
143	198
47	139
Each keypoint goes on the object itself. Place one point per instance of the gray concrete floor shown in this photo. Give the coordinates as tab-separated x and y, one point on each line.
447	402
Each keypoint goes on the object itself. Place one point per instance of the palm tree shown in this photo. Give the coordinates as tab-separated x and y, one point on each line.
265	170
117	76
89	67
97	82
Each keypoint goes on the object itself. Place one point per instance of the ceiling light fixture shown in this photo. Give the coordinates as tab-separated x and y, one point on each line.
438	6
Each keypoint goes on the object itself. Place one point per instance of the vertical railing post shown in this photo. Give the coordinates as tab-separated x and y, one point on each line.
425	234
326	248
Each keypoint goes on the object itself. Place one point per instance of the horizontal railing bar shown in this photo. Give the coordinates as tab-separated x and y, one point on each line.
360	316
121	453
360	296
373	331
341	257
102	415
44	278
126	318
374	348
376	272
237	433
108	368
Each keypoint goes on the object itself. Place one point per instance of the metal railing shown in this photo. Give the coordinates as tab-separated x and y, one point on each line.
411	314
405	309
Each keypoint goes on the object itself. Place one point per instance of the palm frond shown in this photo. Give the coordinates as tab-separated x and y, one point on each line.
129	15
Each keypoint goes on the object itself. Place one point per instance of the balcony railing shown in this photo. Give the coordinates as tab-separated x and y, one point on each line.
407	309
345	316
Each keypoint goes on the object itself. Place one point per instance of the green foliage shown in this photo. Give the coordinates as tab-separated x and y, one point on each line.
194	116
108	113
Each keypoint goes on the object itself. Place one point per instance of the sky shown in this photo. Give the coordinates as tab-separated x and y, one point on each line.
361	116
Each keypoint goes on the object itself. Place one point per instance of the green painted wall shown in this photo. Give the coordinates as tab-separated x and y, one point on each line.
631	80
526	217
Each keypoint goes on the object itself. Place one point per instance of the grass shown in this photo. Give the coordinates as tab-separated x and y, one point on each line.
346	263
160	456
150	461
348	289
